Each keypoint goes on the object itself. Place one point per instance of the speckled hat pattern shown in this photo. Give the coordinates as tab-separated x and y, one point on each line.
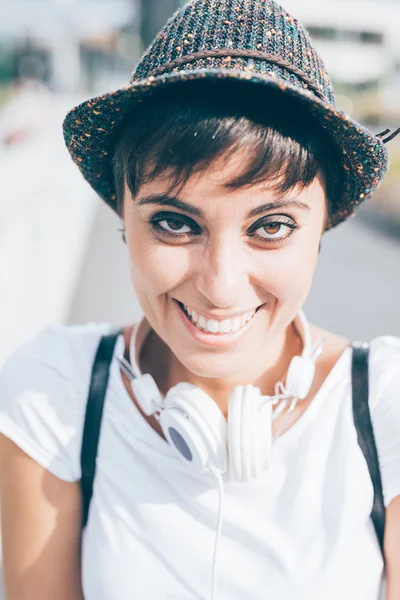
252	40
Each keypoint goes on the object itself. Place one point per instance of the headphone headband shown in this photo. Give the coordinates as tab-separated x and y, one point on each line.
303	329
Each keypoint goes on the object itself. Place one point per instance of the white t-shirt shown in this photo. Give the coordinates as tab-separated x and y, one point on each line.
302	531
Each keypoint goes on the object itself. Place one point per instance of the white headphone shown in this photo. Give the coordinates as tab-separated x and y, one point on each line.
195	426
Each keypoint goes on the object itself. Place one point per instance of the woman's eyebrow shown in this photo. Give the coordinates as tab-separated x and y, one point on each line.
165	200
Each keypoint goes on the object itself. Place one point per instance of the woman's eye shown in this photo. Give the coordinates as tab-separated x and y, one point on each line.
171	226
276	230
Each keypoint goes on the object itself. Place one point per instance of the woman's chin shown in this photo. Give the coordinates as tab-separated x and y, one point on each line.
213	367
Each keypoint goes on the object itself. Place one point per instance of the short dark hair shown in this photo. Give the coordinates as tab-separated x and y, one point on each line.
185	127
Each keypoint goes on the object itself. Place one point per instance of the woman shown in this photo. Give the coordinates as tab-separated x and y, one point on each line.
228	419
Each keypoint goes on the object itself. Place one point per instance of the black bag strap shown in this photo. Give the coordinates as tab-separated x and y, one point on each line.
365	433
93	417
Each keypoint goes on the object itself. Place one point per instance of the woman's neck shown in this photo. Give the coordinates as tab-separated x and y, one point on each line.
157	359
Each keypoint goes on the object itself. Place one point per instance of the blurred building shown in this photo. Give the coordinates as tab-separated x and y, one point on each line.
360	44
154	14
62	41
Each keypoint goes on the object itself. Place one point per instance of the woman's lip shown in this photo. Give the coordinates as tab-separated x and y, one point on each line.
210	339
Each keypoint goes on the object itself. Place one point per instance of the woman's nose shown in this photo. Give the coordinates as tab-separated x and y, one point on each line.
221	274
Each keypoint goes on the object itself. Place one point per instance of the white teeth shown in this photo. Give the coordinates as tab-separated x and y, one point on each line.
235	324
202	322
225	326
213	326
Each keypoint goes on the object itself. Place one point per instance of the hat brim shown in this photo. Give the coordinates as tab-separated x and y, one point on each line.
90	134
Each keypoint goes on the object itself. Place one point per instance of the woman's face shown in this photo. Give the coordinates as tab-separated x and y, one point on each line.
222	253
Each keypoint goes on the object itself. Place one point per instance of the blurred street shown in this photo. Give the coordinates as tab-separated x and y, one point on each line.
356	289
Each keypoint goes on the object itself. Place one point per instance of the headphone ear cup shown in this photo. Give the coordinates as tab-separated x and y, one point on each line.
300	376
195	426
249	434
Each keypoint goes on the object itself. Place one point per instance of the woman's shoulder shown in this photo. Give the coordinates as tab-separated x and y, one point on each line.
43	391
64	349
384	401
383	363
384	359
384	350
385	353
384	370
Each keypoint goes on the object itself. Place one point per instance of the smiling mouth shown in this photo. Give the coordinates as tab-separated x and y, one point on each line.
217	333
189	316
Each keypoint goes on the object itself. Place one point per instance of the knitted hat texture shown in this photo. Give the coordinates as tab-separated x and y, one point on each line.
255	41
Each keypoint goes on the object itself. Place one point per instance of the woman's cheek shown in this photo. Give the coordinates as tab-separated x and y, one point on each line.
290	273
168	265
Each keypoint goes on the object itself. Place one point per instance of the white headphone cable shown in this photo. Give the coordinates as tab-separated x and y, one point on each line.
220	482
291	408
317	349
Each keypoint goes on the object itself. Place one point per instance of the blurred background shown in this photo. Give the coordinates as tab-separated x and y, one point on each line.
61	256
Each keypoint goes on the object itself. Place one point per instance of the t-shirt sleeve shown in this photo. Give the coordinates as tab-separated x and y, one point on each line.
385	410
43	389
